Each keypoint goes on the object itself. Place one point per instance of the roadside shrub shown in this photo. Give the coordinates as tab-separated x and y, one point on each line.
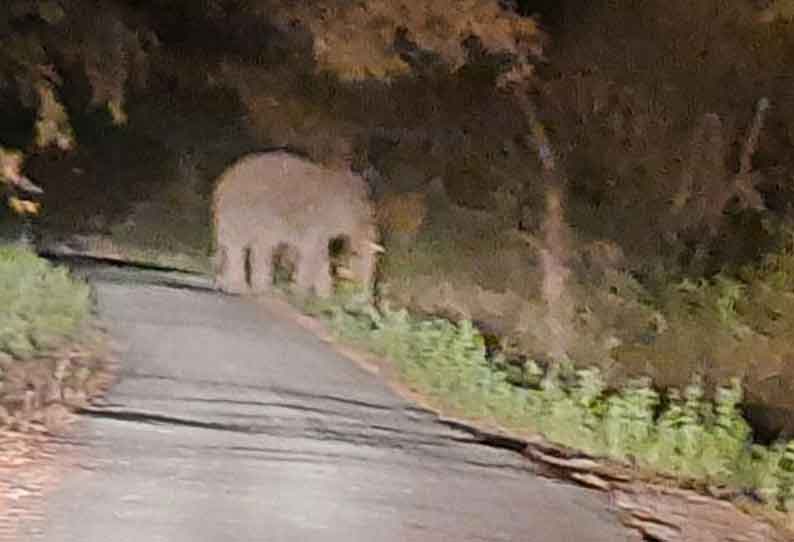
681	434
39	304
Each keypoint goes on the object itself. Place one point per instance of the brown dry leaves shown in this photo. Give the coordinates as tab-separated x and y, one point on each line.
38	394
27	472
10	165
36	402
356	39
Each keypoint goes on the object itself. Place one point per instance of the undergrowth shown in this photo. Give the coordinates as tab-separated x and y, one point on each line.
678	433
39	304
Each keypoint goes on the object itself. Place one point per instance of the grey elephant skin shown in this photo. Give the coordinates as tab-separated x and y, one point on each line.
275	202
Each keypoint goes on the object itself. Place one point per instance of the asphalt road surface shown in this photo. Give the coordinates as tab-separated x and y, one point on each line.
231	422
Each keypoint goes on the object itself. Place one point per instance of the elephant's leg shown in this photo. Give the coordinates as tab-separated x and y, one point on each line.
314	268
231	273
362	265
364	258
262	266
219	263
323	281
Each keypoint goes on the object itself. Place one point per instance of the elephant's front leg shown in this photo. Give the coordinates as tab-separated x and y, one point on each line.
364	259
314	269
362	266
262	266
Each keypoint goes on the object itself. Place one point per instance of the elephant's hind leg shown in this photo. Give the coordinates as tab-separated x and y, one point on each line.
230	275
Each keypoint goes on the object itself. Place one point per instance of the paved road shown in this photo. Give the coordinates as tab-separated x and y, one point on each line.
232	423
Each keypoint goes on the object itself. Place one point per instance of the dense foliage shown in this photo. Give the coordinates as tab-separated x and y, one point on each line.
111	44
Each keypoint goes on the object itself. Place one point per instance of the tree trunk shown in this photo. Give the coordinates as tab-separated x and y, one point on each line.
554	255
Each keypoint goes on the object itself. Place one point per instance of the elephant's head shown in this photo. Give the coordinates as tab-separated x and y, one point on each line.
357	256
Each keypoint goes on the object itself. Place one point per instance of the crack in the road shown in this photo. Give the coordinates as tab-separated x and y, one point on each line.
230	386
264	404
160	419
362	437
492	440
401	440
524	469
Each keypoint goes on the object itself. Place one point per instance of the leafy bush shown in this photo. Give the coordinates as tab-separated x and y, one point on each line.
679	434
39	304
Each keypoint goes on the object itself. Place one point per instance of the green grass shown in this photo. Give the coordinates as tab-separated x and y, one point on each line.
677	433
39	303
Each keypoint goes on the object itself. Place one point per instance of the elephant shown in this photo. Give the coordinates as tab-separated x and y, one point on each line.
271	204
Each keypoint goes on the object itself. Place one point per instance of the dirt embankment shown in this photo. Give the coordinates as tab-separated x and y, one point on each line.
39	394
38	399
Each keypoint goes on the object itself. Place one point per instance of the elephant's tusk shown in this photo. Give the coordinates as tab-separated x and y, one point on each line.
376	247
344	273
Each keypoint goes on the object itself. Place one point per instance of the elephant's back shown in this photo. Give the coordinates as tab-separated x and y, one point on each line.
264	174
285	184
